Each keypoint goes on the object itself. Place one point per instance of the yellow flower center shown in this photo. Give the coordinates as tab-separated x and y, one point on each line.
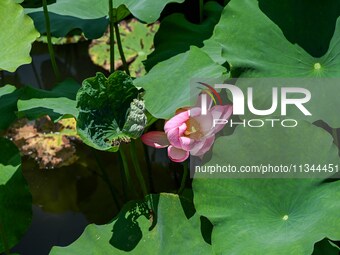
193	129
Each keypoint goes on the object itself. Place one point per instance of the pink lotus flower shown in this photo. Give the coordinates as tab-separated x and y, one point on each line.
189	132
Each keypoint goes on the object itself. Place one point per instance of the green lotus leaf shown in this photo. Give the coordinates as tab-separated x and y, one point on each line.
177	34
156	227
109	112
271	216
62	25
320	106
243	23
309	24
120	13
214	50
8	105
15	198
145	10
255	46
58	103
66	17
82	9
17	33
167	85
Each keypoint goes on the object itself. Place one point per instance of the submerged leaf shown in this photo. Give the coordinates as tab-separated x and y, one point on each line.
50	144
63	40
137	39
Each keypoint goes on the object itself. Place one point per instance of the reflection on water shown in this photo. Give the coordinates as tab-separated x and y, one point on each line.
50	229
66	199
72	59
79	187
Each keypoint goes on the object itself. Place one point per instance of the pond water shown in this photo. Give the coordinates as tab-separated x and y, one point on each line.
67	199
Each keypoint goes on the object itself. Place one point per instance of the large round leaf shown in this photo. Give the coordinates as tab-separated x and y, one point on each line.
82	9
92	17
270	216
321	104
243	23
256	47
61	25
167	85
145	10
15	199
58	103
65	16
308	23
166	231
109	112
17	33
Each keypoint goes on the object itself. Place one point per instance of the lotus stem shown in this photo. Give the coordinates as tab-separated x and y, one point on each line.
149	168
112	40
184	177
106	179
49	42
120	49
126	172
138	170
201	6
